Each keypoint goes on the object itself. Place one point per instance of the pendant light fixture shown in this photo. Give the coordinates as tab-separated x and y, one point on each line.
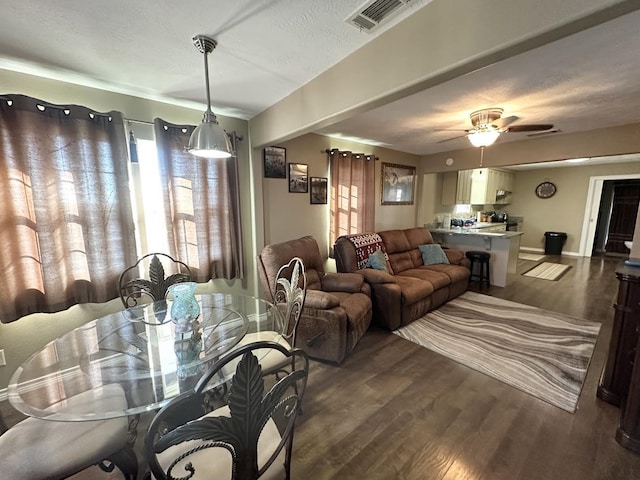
208	139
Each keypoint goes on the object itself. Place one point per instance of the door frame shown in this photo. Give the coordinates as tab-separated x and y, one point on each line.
592	208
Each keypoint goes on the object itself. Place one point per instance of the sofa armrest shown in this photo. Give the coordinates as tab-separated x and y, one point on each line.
455	257
387	301
342	282
320	300
373	276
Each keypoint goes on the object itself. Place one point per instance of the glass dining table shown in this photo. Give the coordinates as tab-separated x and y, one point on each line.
150	355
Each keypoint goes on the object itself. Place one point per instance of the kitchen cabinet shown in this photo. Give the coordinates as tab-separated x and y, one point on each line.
500	182
463	187
456	187
477	187
485	184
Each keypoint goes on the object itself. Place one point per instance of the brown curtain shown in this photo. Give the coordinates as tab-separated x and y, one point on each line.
65	218
352	193
202	202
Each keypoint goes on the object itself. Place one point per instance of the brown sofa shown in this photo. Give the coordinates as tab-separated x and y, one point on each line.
411	288
337	309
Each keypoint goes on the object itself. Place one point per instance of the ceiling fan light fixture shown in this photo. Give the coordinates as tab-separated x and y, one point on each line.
208	139
483	138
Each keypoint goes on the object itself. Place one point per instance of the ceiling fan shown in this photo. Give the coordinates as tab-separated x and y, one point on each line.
488	124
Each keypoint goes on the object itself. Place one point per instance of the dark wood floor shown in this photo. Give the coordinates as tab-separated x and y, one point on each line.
394	410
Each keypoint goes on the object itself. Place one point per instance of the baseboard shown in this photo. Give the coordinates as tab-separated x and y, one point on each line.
541	252
532	250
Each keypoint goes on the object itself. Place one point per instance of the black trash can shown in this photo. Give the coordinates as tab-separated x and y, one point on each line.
553	242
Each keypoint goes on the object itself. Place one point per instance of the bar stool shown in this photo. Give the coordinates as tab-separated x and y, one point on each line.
482	258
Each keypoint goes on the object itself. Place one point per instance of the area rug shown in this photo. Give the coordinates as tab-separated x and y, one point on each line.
542	353
530	256
547	271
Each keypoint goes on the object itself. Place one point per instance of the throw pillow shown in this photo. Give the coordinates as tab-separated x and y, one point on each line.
378	261
432	254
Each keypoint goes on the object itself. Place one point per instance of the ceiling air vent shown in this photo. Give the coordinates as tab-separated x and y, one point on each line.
376	12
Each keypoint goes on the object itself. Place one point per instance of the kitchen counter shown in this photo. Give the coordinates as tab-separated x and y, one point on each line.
503	247
473	231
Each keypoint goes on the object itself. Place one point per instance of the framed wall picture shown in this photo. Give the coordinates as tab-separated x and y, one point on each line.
298	180
318	190
275	162
398	184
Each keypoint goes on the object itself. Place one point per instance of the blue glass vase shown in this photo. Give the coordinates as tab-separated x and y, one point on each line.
184	308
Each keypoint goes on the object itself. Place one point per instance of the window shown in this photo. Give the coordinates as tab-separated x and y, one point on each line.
352	194
69	226
65	218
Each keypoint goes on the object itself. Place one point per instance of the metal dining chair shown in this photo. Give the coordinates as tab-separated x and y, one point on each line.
37	449
135	290
289	295
247	434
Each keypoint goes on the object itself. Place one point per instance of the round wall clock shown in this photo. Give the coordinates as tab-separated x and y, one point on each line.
546	190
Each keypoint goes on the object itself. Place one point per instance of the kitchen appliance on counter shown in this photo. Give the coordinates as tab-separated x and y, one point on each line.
499	217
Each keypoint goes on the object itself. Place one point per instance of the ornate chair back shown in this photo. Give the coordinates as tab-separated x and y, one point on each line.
289	294
246	433
135	290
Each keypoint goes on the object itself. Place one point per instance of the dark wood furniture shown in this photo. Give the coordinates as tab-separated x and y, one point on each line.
616	375
480	274
620	380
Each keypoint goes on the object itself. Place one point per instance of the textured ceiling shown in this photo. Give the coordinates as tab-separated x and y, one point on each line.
269	48
583	82
266	48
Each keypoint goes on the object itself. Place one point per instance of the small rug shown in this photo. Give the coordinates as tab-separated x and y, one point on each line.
547	271
542	353
530	256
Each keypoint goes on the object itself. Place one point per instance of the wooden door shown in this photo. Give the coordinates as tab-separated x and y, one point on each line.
626	196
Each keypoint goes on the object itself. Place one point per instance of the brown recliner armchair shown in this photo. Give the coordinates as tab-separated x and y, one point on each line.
337	309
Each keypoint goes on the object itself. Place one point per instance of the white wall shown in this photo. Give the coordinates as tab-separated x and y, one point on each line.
564	211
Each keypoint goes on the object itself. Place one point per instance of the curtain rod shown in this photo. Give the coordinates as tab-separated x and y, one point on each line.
330	151
145	122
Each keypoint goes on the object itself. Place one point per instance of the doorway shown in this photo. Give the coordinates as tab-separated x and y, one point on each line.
594	216
617	215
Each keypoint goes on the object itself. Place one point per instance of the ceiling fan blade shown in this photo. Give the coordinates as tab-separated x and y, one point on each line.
503	122
530	128
546	132
452	138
